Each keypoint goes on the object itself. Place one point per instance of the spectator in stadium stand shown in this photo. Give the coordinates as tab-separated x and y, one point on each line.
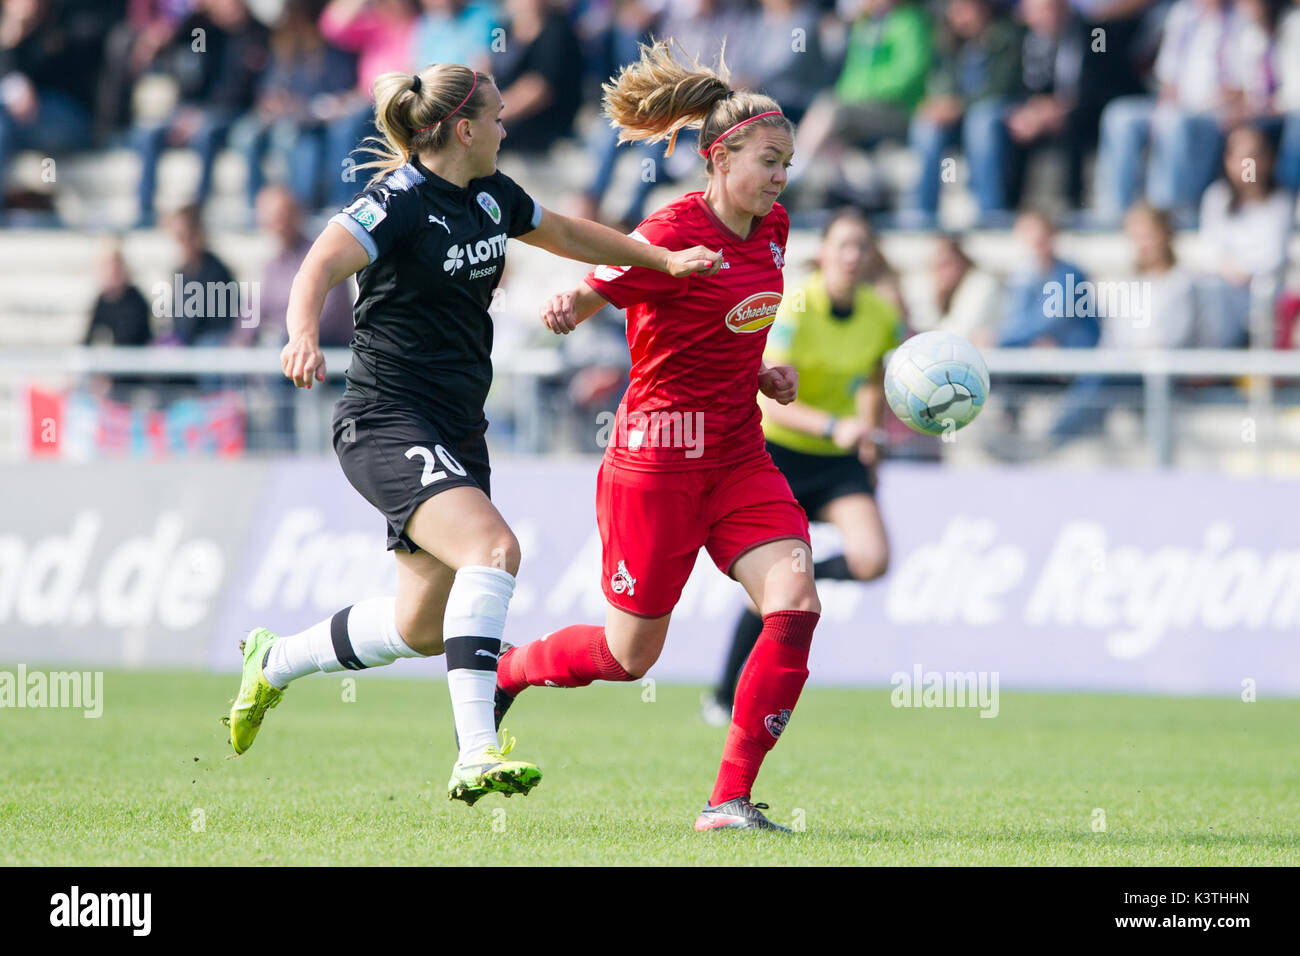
1245	225
879	272
1268	91
381	33
120	315
1196	69
880	84
1287	99
197	265
539	73
280	216
954	295
976	70
1037	313
456	31
1045	113
129	50
45	95
777	49
1166	318
632	22
304	76
216	72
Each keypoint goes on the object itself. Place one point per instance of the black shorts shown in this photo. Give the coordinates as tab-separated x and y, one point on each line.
397	459
817	480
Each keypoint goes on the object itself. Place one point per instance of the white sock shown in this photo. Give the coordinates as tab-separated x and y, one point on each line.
471	633
360	636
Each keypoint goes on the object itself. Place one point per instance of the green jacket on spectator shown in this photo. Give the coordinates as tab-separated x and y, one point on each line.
887	58
986	66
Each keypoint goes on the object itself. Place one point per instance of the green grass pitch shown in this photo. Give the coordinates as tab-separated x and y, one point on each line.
329	781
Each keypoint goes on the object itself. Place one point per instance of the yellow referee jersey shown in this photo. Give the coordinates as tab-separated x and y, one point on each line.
833	356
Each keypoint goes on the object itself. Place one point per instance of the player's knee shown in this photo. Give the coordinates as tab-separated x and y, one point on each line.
504	552
868	564
799	595
421	631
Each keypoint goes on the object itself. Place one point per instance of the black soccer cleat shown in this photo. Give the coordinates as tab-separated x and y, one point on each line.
737	814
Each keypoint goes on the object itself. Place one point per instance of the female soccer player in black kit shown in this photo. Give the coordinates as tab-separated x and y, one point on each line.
428	239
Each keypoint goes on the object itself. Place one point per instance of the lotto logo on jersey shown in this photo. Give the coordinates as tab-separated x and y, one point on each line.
755	313
481	251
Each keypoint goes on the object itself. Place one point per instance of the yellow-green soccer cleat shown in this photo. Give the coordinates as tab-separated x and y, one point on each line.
495	774
256	695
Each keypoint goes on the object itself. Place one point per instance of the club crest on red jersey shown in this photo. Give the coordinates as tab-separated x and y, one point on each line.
621	582
778	254
755	313
775	723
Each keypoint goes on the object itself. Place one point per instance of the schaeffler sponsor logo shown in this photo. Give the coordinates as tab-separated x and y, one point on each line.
75	908
755	313
70	690
946	689
162	577
776	723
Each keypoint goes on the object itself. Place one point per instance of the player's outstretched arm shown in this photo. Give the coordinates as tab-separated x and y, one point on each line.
333	257
591	242
561	313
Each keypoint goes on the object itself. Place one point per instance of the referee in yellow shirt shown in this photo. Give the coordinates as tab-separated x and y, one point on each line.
835	330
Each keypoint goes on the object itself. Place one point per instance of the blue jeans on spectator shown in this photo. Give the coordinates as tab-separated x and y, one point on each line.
1185	152
1125	128
341	137
60	123
149	141
983	135
299	147
605	147
1288	154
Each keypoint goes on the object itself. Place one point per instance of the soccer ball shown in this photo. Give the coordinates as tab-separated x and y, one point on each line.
936	382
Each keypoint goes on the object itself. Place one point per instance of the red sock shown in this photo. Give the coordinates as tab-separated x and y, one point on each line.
766	693
573	656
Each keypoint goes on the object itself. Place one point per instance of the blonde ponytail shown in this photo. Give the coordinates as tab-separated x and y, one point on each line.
415	112
657	97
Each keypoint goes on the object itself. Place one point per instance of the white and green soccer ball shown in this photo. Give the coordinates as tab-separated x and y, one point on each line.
936	382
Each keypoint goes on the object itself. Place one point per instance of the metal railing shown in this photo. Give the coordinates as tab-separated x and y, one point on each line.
1159	371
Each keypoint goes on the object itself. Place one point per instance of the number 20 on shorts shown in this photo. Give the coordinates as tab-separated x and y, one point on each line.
429	476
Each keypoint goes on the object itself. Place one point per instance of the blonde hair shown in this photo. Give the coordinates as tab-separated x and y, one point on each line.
657	97
415	112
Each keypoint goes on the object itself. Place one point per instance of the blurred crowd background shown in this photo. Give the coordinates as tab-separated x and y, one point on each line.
1002	150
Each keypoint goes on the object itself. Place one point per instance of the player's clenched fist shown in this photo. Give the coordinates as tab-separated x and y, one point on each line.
696	259
780	382
302	361
559	313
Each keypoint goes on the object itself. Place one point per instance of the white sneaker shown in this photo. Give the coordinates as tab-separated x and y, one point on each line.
713	712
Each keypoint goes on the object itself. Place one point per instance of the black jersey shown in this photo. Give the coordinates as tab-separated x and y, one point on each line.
423	333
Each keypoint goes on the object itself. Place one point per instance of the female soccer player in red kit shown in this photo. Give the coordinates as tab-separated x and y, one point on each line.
697	346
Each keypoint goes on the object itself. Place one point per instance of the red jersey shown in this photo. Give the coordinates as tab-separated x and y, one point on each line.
696	342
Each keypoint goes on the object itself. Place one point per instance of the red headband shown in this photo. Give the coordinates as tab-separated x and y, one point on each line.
457	109
708	149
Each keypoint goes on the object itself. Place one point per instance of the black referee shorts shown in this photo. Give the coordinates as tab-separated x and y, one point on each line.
817	480
397	459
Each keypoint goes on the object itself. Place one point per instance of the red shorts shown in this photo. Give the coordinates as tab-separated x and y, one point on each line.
653	524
